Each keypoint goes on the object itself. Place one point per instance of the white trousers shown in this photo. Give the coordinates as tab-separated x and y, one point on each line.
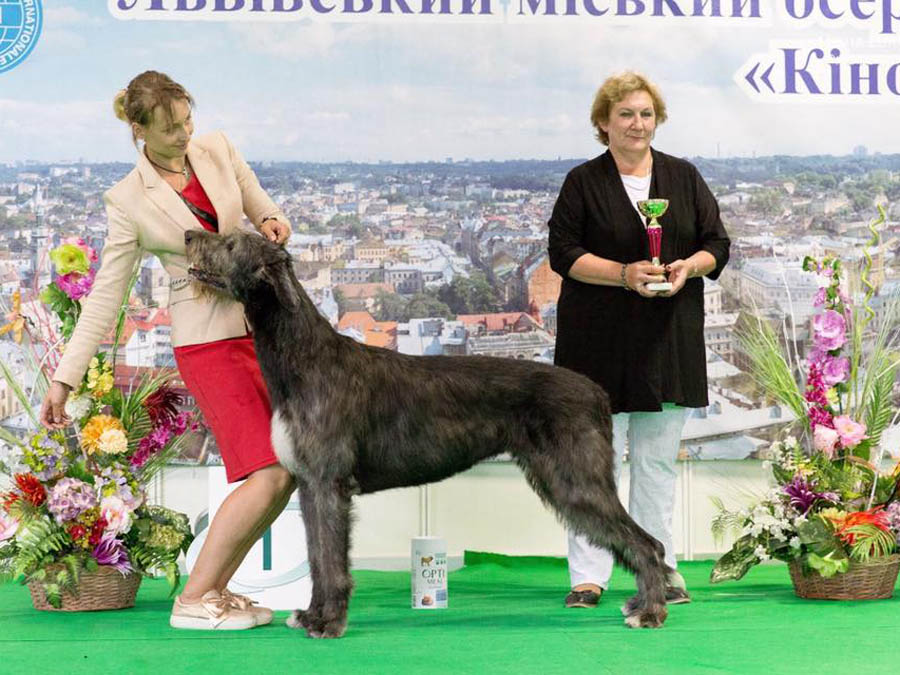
653	441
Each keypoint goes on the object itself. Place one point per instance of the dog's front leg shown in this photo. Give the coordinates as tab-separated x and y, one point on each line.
305	618
326	514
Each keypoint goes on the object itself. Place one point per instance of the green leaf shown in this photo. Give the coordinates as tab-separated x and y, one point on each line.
814	531
736	562
827	566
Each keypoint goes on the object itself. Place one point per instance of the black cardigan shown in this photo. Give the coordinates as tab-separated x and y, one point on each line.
643	351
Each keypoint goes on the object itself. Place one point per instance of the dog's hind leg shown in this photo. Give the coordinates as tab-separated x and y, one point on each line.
575	477
326	515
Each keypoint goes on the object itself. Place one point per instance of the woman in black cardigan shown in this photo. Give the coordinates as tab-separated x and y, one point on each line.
644	347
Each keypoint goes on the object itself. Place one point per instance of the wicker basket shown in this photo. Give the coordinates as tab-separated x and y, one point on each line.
104	589
873	580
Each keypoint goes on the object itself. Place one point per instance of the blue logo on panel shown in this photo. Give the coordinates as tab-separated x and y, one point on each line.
20	27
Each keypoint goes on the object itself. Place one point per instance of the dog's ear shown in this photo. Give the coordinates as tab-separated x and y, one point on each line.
278	276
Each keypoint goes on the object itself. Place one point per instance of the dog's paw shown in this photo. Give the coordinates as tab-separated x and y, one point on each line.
631	604
295	620
331	629
652	616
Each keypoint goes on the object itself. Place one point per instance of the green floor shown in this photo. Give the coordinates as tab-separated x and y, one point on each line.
505	616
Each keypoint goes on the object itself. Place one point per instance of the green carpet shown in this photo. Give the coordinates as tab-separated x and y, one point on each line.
506	615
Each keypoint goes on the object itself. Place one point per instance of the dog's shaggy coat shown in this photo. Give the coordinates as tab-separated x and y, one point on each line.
350	419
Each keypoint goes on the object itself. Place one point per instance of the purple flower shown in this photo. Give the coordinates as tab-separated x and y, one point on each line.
181	423
111	551
830	330
149	445
69	498
803	494
835	370
76	285
893	514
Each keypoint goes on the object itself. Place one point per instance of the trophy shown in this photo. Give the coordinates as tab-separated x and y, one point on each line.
653	209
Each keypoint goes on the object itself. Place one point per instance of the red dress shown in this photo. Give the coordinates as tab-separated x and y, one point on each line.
225	379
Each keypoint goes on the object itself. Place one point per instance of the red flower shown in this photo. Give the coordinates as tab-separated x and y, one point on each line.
97	531
876	517
9	499
32	489
77	531
162	404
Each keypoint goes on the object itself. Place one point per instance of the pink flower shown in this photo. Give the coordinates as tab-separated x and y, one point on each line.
830	330
825	440
116	514
819	417
819	298
76	285
815	385
835	370
850	432
8	526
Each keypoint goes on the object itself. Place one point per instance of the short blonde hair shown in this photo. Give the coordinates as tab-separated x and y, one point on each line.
136	103
615	89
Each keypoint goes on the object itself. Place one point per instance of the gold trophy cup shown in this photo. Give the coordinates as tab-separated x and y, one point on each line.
653	209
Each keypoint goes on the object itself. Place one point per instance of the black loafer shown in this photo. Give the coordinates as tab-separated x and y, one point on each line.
587	599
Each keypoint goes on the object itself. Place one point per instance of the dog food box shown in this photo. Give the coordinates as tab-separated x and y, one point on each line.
429	573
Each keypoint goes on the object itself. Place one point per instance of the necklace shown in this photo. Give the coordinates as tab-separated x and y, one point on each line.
183	171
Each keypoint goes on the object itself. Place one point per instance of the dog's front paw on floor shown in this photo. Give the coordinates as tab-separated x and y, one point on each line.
328	629
632	604
647	617
295	620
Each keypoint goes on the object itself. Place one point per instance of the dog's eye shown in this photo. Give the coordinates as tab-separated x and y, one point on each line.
230	245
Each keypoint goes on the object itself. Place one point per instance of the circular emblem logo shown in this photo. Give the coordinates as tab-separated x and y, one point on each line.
20	27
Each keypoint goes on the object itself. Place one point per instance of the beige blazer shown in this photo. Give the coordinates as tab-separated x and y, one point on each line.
146	215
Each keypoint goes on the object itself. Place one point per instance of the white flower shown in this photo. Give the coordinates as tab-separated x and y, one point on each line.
113	442
761	553
117	515
795	542
77	407
14	458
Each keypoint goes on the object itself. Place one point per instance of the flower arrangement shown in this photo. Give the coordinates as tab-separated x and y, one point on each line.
77	500
831	504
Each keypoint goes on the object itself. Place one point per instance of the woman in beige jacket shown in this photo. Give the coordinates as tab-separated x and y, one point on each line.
178	184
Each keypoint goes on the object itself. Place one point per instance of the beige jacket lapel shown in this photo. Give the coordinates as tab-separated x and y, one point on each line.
164	197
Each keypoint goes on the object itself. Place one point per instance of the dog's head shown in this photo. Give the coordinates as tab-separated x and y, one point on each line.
241	265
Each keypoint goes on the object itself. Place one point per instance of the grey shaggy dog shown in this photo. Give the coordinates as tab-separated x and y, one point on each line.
350	419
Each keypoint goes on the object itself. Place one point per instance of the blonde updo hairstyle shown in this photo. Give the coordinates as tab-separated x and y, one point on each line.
616	89
135	104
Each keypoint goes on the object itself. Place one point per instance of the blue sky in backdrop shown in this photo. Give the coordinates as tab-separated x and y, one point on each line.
326	91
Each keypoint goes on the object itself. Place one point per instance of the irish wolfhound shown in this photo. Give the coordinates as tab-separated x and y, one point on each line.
350	419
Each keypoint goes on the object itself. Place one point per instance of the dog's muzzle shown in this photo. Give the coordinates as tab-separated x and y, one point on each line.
207	278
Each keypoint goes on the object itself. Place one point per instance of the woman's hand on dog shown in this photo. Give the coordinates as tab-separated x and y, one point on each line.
275	230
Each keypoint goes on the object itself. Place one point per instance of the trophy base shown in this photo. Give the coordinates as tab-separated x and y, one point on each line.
659	287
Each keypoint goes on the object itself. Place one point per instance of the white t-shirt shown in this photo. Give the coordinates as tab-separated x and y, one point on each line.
638	189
